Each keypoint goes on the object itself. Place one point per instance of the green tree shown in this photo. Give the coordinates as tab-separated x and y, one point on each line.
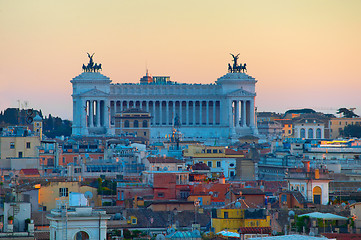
352	131
347	113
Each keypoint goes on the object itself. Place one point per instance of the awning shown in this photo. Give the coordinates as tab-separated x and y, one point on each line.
325	216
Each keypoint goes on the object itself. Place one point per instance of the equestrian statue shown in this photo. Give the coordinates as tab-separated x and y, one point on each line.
236	68
92	67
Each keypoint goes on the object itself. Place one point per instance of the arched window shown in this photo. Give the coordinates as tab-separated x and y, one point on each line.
81	236
136	124
145	123
318	133
302	133
126	124
310	133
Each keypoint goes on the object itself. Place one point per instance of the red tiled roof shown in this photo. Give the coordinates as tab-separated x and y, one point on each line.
229	151
245	230
30	171
164	160
342	236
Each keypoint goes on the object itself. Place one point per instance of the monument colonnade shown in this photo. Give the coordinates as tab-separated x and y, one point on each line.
191	112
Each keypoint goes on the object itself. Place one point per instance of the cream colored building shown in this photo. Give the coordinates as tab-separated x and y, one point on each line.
218	159
18	150
338	124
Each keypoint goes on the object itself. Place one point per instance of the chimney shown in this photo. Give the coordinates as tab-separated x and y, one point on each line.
306	164
222	179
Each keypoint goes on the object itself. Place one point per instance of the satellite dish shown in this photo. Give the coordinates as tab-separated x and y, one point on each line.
160	237
88	195
170	230
165	169
238	205
196	232
291	213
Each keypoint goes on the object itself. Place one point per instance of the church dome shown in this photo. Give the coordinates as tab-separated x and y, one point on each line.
37	118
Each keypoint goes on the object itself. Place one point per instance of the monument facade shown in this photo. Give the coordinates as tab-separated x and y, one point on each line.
221	110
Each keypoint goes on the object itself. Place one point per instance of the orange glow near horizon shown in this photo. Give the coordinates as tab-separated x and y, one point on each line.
303	53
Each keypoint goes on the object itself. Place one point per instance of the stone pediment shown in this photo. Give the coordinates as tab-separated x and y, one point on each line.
241	92
94	93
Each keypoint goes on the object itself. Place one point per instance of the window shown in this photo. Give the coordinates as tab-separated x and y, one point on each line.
12	145
50	162
134	221
318	133
231	173
209	151
126	124
284	198
209	164
214	150
145	123
145	134
20	154
225	215
136	123
63	192
218	163
28	145
310	133
160	194
302	133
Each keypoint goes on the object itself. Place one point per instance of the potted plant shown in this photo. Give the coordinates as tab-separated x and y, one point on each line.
10	219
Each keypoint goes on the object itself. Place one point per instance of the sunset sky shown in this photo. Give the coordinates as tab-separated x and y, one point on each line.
303	53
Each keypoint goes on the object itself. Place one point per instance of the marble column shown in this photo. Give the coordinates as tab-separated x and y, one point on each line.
194	112
230	113
173	114
106	115
214	113
180	112
200	113
187	113
91	118
243	113
98	112
167	113
160	113
251	111
207	110
83	120
154	115
235	113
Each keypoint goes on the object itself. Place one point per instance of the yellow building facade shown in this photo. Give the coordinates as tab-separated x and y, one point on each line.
53	191
338	124
18	148
233	219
